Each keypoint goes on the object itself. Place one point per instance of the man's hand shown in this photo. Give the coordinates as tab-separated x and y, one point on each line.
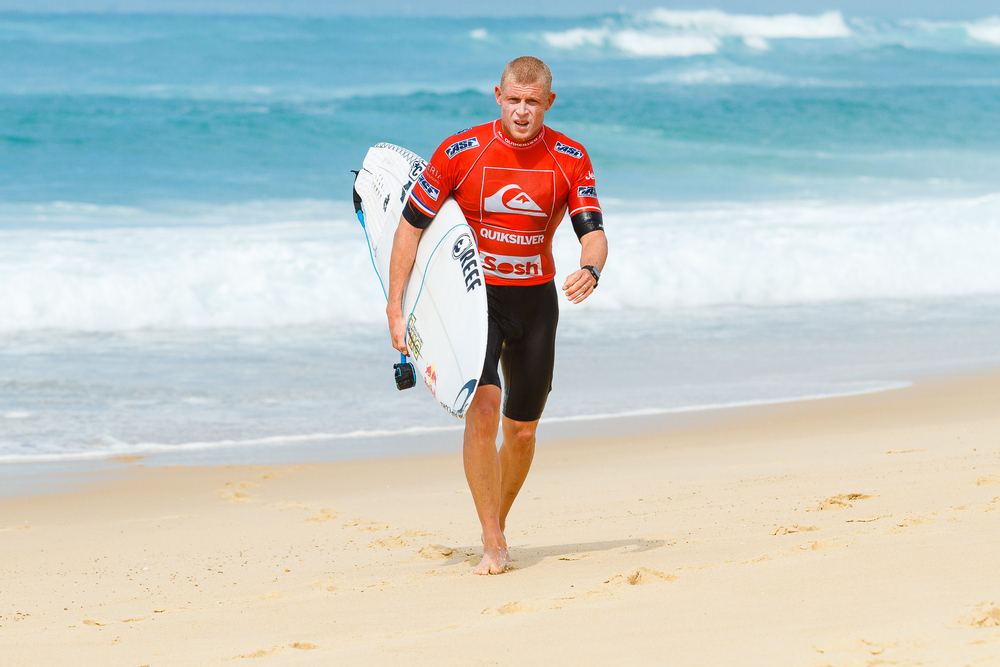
404	249
397	329
594	251
579	285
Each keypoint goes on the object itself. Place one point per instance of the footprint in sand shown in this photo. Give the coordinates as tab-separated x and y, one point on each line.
366	525
436	552
327	585
262	653
915	520
782	530
236	493
286	506
510	608
983	615
817	546
840	501
278	474
325	514
642	577
389	543
856	646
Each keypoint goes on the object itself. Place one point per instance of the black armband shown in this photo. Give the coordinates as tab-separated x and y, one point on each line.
415	216
585	222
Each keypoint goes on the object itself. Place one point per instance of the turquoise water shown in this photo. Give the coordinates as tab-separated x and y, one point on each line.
181	270
111	109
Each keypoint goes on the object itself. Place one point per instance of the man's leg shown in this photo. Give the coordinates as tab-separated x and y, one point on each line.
484	474
515	459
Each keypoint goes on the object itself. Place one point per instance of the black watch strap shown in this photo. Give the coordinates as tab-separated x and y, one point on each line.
594	272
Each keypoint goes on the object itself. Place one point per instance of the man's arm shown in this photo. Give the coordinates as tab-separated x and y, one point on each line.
404	250
593	252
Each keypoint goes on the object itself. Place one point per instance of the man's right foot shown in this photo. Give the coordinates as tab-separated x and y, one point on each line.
495	561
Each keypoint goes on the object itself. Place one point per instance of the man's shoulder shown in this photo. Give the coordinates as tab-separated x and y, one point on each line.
562	145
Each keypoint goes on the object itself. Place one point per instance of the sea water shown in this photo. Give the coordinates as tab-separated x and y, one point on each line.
797	206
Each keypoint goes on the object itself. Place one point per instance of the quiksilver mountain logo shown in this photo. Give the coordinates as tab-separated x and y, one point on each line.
517	202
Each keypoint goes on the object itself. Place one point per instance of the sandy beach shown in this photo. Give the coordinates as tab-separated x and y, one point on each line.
848	531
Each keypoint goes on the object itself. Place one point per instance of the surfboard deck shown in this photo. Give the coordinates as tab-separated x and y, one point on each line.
444	300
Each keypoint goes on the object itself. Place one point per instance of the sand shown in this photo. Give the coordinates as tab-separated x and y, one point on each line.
849	531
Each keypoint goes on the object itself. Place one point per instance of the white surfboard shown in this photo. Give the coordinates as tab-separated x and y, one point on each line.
444	301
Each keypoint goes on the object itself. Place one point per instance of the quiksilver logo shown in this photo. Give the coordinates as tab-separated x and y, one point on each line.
519	203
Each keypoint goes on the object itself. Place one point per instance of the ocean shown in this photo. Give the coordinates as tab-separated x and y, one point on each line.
797	206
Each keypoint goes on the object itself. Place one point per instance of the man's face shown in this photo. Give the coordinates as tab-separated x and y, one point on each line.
522	109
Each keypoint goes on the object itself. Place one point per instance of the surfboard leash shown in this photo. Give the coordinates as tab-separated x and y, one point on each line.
405	374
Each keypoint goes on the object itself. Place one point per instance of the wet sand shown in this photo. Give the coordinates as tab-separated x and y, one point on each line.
847	531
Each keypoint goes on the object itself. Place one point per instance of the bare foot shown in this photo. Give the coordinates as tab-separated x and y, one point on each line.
495	561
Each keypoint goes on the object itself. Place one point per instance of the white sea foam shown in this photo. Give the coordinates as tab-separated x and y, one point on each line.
793	253
782	26
221	273
318	272
651	45
985	30
668	33
723	74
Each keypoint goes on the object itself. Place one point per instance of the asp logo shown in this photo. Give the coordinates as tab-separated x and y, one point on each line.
568	150
586	191
459	146
431	191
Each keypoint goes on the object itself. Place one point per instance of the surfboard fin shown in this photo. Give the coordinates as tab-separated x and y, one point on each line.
406	377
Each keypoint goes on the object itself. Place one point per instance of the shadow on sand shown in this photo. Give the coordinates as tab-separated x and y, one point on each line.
525	557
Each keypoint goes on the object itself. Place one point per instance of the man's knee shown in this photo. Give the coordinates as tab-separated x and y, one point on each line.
485	404
521	435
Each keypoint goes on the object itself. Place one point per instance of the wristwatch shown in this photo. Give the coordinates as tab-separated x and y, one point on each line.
594	272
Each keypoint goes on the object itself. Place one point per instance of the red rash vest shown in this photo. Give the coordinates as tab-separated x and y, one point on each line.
513	194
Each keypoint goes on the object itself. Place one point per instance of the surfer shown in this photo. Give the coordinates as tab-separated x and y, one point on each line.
514	179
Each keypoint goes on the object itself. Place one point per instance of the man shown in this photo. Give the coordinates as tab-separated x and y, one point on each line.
514	179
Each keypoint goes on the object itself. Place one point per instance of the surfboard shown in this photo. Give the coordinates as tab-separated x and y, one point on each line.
444	300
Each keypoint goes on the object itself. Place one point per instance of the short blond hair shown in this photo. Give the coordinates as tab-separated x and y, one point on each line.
527	71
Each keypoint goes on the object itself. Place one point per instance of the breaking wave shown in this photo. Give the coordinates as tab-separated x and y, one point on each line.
299	270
